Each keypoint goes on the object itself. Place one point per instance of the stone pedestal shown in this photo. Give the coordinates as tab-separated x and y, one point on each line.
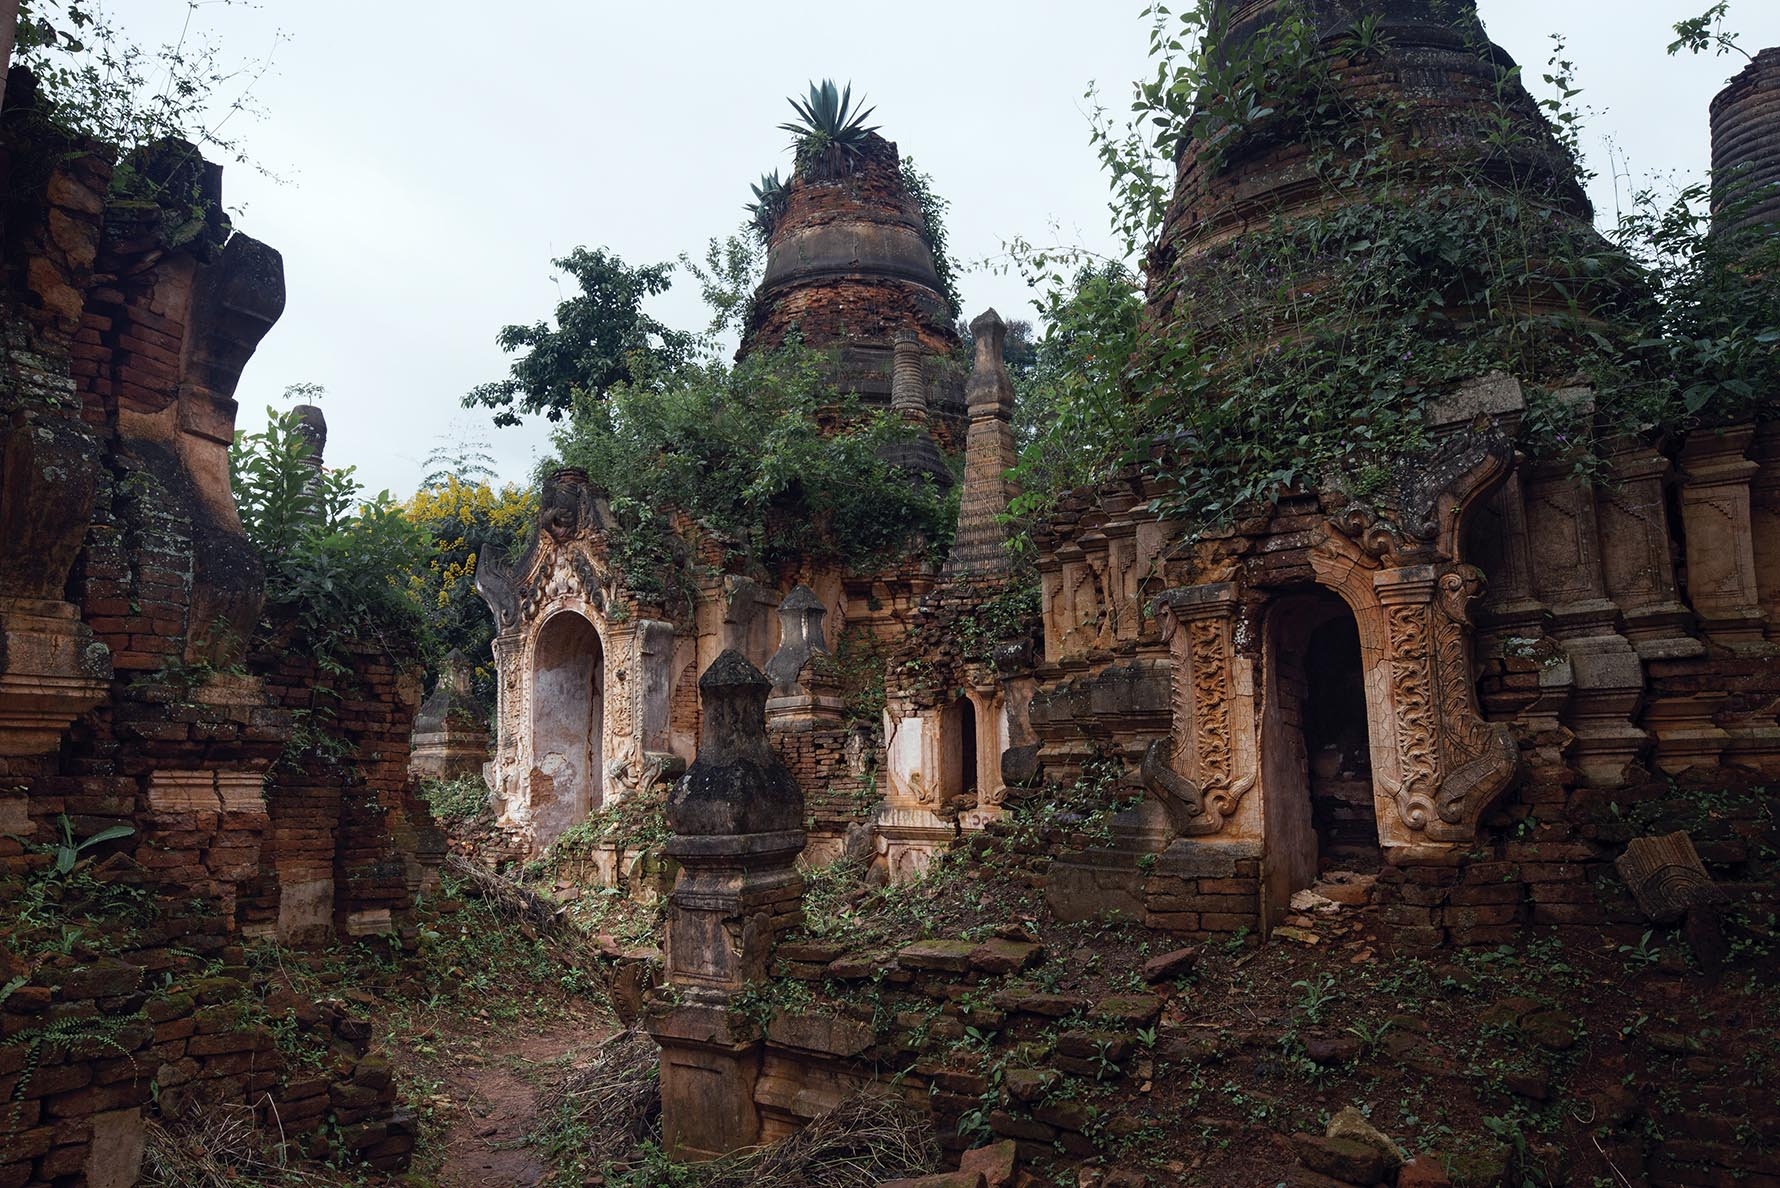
1564	535
736	818
806	692
450	732
1715	510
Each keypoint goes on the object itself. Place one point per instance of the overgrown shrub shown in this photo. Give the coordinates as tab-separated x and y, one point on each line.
458	800
339	563
764	452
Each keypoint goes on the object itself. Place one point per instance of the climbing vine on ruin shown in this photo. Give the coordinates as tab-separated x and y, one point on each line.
919	184
1309	346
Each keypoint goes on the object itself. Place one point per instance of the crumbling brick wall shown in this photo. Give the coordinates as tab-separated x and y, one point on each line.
128	699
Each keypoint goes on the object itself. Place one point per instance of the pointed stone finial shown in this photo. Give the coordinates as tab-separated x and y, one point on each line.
312	427
738	784
800	636
989	384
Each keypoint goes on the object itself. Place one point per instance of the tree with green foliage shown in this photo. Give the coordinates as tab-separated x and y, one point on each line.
601	337
762	451
1073	416
337	561
464	519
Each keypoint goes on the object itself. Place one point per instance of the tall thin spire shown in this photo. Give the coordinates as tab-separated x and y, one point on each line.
980	548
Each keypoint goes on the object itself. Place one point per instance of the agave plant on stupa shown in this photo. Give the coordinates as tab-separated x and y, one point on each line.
768	204
830	134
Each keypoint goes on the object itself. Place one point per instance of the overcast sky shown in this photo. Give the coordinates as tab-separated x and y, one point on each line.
438	153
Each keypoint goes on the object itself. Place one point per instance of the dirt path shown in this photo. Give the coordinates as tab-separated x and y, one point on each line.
491	1075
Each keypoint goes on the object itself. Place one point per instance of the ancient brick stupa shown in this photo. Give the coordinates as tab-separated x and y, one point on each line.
1746	143
850	266
1428	100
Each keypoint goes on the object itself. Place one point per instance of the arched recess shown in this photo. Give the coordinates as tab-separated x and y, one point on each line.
960	763
568	719
1436	764
1316	746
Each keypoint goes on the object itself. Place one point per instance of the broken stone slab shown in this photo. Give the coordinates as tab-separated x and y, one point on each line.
1168	966
1666	877
1555	1031
1353	1125
827	1034
856	967
812	952
1030	1084
995	1163
1310	901
957	1179
1346	1160
1005	956
1083	1045
1050	1006
1302	936
1424	1171
1191	858
1332	1049
1130	1010
945	956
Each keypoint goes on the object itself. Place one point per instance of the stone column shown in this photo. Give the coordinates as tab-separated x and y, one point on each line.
908	400
1636	553
1565	542
737	822
1764	524
908	380
1715	509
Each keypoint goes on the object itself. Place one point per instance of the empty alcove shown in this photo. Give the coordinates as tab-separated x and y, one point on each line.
568	675
1315	746
958	748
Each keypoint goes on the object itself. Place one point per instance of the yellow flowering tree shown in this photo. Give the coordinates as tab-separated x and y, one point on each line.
465	520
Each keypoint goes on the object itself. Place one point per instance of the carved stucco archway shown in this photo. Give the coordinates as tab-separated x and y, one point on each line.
1436	764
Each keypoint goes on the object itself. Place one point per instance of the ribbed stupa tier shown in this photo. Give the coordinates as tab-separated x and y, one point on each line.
1746	144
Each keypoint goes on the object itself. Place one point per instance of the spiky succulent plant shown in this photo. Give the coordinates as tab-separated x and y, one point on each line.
768	205
829	134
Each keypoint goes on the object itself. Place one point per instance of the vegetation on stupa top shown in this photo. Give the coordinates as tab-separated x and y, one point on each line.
1302	352
763	451
830	134
93	81
829	141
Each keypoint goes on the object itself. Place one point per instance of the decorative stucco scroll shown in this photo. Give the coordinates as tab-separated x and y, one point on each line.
1434	757
1213	762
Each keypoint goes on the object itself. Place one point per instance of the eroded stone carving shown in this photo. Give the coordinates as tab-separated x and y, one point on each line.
1212	765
